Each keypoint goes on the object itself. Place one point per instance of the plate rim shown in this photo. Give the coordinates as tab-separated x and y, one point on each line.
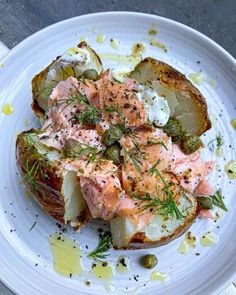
232	277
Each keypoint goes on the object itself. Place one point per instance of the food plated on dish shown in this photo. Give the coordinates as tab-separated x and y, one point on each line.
126	150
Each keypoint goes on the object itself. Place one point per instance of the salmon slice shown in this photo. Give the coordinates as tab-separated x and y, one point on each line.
190	170
141	151
204	188
122	97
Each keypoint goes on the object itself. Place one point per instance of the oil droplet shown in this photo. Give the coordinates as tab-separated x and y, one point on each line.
123	264
152	30
190	238
219	152
121	58
109	288
197	77
209	239
138	49
218	215
93	29
183	247
2	65
114	43
213	119
233	123
158	43
7	108
213	82
103	270
83	39
159	276
66	254
100	38
230	169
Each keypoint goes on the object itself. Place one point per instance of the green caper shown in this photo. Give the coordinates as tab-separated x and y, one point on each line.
190	143
149	261
112	135
173	129
113	153
91	74
71	148
205	202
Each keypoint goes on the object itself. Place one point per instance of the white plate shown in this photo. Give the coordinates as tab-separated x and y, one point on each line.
189	274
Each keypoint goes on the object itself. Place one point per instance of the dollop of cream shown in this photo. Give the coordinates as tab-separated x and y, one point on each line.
75	54
157	106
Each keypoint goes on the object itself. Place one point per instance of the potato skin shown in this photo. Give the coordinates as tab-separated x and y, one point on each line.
151	69
46	190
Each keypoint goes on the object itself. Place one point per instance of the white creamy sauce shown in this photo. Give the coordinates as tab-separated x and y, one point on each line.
75	54
157	106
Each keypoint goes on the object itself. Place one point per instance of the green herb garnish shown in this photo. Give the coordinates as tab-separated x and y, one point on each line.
218	140
151	142
33	225
104	244
31	172
166	205
135	159
217	200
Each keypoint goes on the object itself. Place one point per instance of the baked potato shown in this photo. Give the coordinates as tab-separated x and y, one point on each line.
161	230
72	63
56	189
185	101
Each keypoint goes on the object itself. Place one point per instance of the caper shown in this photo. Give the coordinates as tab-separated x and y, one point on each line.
149	261
91	74
190	143
113	153
205	202
112	135
173	129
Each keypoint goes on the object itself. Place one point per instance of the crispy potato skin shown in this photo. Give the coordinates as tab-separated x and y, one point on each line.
48	183
47	191
171	78
36	82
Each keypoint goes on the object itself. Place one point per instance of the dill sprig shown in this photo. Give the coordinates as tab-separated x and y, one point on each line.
135	158
217	200
218	141
33	139
104	244
166	205
31	172
153	141
90	115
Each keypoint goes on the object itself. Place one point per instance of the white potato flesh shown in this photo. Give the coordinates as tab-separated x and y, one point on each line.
73	197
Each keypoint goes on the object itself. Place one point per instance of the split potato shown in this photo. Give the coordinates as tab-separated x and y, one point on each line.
160	231
54	188
185	101
72	63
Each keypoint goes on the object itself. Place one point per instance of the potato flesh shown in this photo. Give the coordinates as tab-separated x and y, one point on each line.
123	230
73	198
